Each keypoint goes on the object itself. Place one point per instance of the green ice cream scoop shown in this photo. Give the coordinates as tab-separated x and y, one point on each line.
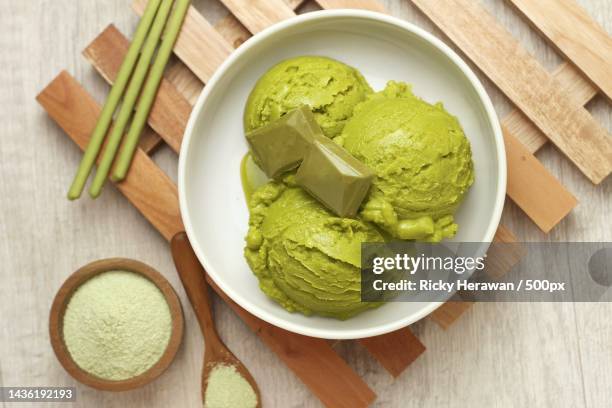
421	158
330	88
306	258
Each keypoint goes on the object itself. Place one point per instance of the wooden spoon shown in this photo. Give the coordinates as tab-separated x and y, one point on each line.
193	276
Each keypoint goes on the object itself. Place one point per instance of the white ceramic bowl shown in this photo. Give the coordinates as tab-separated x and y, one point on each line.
382	48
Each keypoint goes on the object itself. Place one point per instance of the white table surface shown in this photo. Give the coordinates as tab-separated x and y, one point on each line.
497	355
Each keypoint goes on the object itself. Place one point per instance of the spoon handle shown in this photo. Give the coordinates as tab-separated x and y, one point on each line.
193	276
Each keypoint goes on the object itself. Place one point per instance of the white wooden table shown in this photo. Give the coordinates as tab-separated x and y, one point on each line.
497	355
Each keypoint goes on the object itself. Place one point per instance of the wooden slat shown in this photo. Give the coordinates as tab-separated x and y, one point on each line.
576	35
170	111
149	140
396	350
372	5
449	312
259	14
147	187
156	196
566	123
537	192
198	45
576	87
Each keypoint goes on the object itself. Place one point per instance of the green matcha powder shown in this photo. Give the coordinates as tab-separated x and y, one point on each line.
117	325
228	389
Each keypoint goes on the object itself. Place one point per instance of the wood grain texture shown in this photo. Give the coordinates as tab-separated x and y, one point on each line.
155	195
526	83
259	14
170	111
76	112
198	45
576	35
372	5
576	87
396	350
536	191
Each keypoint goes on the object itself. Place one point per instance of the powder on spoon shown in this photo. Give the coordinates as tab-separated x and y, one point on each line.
117	325
228	389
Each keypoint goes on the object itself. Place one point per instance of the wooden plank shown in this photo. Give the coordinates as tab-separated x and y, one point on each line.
574	84
537	192
76	112
198	45
170	111
259	14
396	350
149	140
156	196
451	311
372	5
576	35
532	89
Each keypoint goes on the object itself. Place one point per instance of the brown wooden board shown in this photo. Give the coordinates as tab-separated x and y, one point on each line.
395	351
155	195
259	14
170	110
522	79
575	86
576	35
372	5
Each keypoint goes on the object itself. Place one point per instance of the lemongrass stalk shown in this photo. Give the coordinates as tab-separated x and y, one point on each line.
104	120
127	106
150	90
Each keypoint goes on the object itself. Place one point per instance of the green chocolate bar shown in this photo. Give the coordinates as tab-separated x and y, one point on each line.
334	177
281	145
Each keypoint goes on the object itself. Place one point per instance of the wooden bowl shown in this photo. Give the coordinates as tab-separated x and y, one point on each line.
60	303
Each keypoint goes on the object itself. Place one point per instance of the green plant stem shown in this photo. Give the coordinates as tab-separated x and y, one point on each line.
127	107
106	116
150	90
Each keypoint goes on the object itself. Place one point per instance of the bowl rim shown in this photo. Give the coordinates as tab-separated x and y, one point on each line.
265	34
82	275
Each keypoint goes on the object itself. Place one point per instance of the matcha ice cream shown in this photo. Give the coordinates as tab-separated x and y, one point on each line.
306	259
330	88
421	158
